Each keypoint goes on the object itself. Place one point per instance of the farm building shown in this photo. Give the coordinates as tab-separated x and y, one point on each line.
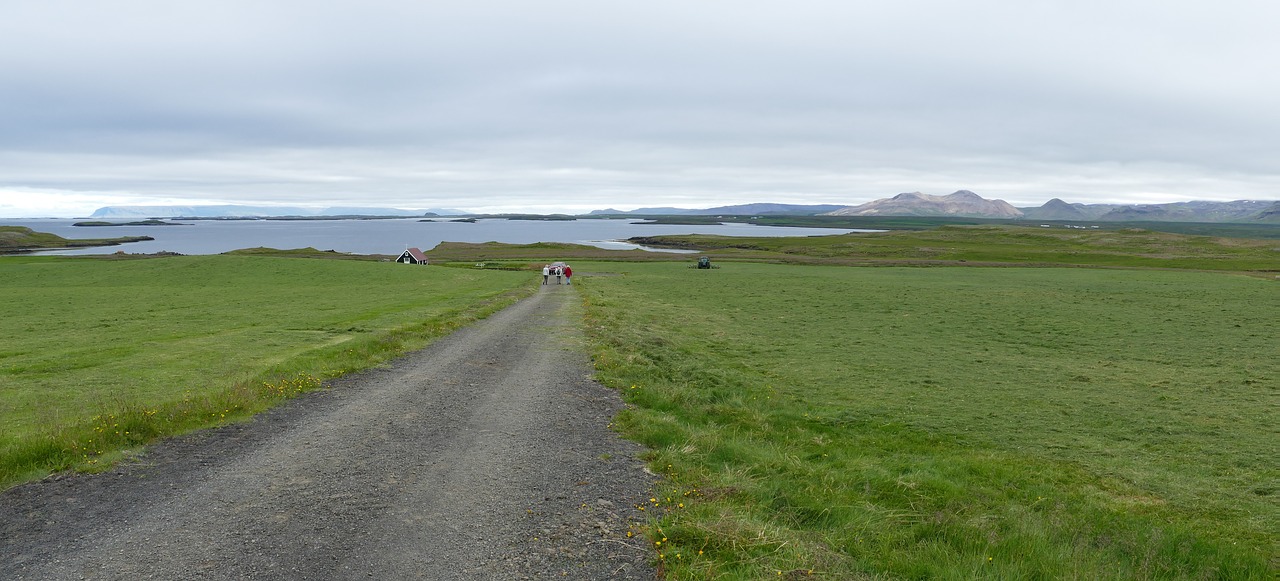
413	256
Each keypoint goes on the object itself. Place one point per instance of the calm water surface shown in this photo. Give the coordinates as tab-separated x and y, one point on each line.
383	236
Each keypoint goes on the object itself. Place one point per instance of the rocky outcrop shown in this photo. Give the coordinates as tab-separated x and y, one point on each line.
1271	214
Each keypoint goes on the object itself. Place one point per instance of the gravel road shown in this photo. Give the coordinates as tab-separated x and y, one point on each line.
484	456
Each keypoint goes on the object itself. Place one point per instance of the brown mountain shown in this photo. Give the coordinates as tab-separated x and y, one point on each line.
963	203
1056	209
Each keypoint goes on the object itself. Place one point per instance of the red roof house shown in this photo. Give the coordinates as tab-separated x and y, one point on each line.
413	256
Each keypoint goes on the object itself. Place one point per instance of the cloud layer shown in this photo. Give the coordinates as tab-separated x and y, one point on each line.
575	105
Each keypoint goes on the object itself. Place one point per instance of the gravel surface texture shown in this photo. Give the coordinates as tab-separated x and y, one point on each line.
484	456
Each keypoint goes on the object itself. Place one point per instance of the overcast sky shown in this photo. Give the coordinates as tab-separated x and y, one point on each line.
569	106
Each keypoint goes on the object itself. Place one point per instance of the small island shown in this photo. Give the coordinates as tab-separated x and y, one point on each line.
16	239
536	217
150	222
459	220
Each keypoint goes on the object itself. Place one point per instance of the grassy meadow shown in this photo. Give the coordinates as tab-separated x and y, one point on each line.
812	419
102	355
949	423
1000	244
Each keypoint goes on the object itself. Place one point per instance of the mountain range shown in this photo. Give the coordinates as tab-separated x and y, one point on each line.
963	203
1237	211
966	204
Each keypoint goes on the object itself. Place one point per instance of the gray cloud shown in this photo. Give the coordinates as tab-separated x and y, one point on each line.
506	105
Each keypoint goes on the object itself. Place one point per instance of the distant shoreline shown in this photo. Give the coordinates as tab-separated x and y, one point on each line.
21	240
151	222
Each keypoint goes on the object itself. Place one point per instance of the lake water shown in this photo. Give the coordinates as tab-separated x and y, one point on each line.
383	236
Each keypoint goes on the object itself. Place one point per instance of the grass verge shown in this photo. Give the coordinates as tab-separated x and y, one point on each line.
949	423
102	356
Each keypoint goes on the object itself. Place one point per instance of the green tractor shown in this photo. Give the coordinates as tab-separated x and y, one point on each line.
705	262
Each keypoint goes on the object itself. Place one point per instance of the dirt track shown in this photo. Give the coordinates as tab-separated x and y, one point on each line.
485	456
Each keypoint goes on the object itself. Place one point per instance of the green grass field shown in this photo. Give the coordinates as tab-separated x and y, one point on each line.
950	422
1021	245
102	355
826	421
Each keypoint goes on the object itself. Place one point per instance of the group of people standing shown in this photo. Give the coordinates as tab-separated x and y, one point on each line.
558	270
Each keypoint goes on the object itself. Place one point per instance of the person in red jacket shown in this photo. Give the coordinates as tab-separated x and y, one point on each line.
568	274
